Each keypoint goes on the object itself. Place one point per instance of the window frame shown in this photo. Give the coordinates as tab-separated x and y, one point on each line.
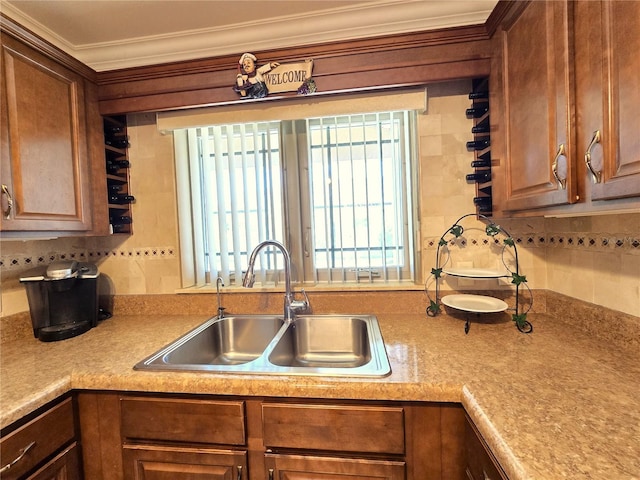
296	214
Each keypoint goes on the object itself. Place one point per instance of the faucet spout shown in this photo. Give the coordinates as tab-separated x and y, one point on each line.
290	305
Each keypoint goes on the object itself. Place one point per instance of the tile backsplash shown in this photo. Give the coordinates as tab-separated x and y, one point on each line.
593	259
14	264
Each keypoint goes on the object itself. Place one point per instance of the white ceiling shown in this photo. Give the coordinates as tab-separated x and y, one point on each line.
114	34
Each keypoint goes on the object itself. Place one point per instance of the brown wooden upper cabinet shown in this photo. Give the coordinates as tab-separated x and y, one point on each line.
608	96
567	75
46	183
537	81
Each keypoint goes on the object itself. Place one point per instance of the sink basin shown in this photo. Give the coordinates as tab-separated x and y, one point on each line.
335	345
217	343
331	341
225	341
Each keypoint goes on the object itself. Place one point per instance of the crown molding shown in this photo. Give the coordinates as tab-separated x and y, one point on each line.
374	19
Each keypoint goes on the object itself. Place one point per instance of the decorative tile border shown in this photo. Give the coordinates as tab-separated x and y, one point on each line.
24	262
625	244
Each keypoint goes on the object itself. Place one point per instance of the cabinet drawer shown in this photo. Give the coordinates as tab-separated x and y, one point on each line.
182	420
345	428
48	432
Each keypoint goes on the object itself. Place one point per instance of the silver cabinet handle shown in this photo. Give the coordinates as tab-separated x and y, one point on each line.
5	191
562	183
239	472
595	176
271	474
23	452
486	477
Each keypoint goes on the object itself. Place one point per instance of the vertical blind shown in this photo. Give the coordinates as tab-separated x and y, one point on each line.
359	202
233	196
336	190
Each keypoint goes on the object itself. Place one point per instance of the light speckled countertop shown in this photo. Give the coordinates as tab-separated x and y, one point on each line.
551	405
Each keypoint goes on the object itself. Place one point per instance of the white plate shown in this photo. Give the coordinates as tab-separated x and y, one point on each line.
476	272
474	303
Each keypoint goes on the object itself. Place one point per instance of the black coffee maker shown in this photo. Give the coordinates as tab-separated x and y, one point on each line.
63	299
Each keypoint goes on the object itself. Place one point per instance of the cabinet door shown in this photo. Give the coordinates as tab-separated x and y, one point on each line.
538	105
480	462
608	96
147	462
302	467
44	159
65	466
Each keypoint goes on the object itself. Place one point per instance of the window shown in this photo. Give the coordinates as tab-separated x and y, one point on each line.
336	190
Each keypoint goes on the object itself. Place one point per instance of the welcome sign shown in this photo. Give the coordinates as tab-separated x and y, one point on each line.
288	77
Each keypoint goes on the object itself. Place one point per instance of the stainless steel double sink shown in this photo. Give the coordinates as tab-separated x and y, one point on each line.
330	345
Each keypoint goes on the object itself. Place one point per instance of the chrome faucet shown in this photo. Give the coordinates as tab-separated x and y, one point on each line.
291	306
219	283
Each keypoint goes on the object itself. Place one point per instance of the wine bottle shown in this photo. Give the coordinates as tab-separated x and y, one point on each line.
481	163
113	129
121	199
477	112
479	144
479	177
484	208
117	142
114	165
120	220
480	94
482	201
482	127
114	187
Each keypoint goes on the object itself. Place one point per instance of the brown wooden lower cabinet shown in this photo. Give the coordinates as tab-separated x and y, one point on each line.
154	462
44	447
192	437
64	466
481	465
307	467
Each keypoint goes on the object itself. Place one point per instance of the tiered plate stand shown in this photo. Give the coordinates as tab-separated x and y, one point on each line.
478	304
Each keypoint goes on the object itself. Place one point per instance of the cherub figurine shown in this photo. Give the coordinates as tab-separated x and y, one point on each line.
250	82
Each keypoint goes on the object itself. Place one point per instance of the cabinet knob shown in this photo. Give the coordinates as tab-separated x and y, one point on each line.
562	182
5	191
239	472
596	176
271	474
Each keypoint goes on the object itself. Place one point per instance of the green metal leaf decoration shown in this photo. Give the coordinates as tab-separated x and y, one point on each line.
434	308
493	229
520	319
509	241
518	279
442	242
436	272
457	230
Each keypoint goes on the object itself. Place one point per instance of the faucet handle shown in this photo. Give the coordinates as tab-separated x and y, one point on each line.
300	305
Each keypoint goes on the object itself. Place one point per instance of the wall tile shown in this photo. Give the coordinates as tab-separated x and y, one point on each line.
593	259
